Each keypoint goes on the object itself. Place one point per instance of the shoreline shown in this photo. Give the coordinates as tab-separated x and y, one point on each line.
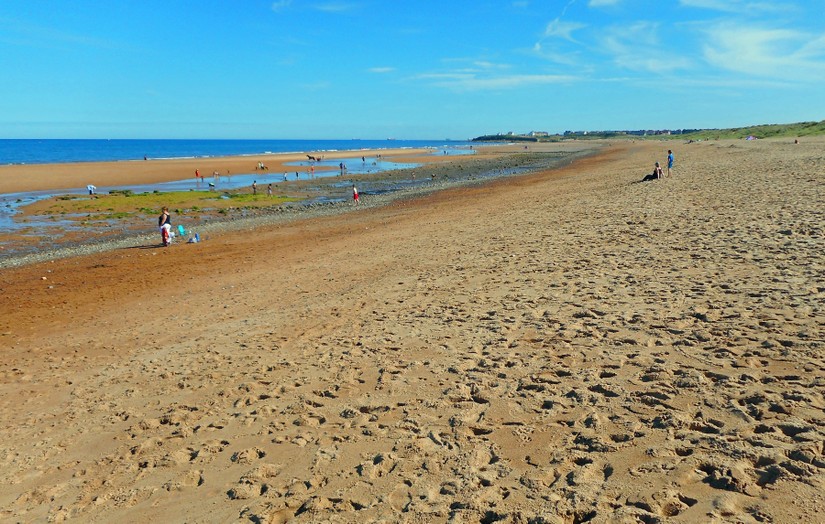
454	171
18	178
70	151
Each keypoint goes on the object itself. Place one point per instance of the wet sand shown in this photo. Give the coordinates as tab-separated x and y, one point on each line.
39	177
65	224
566	346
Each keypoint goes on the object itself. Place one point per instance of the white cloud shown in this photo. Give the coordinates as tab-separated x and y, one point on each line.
773	53
473	82
335	7
564	30
542	51
483	64
381	70
281	4
474	65
814	48
733	6
637	48
602	3
715	5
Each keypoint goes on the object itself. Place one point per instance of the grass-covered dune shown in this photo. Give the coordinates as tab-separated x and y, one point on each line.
798	129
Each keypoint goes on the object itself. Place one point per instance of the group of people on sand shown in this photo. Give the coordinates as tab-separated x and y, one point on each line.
165	219
657	173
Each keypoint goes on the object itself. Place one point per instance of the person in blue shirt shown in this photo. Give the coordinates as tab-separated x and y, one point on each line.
669	161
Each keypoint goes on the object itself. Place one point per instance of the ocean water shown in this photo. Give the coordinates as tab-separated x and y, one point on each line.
30	151
35	151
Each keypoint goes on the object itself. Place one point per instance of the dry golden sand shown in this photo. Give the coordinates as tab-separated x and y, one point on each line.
568	346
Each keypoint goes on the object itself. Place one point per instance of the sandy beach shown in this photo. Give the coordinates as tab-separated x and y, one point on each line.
567	346
44	224
38	177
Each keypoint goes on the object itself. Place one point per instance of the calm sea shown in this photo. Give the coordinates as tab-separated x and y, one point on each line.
32	151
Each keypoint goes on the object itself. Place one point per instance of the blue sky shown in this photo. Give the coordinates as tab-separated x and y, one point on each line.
417	69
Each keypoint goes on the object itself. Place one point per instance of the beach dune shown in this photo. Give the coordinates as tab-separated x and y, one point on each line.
566	346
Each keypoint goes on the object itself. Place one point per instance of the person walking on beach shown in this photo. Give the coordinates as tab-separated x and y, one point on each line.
165	225
269	190
355	195
254	187
669	161
91	189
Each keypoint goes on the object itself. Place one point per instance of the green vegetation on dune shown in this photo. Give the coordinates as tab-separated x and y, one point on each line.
762	131
798	129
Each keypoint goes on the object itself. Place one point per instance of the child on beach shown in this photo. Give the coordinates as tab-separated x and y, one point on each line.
669	161
355	195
